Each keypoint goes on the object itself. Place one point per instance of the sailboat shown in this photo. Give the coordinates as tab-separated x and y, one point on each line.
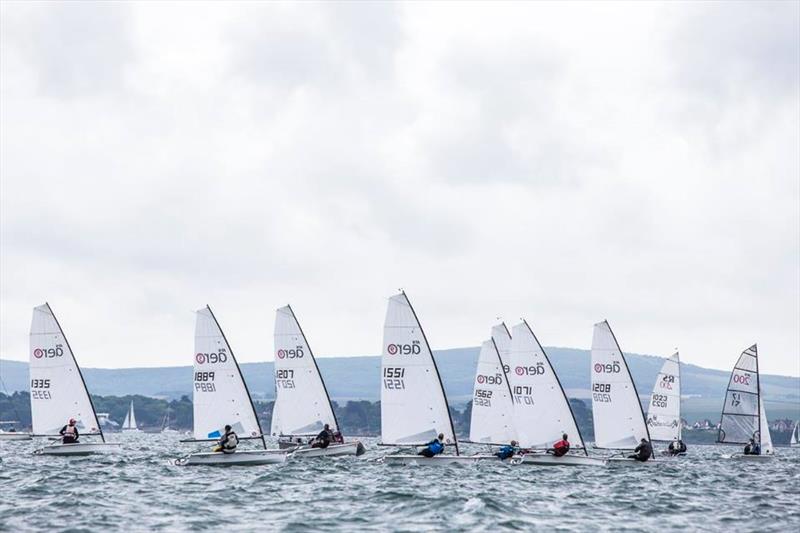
619	422
302	404
129	425
491	421
794	440
221	398
664	412
413	403
542	413
58	391
743	416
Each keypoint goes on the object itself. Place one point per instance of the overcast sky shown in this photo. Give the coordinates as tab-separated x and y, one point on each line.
636	162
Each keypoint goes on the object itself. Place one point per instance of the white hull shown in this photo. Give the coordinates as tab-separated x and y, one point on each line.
435	460
649	462
13	435
80	448
334	450
131	430
752	457
552	460
794	445
242	458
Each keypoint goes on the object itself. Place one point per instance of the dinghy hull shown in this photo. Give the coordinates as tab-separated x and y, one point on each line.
14	436
243	458
77	449
564	460
743	457
334	450
619	460
435	460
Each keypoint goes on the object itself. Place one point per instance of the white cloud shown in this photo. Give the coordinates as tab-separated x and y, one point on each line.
562	162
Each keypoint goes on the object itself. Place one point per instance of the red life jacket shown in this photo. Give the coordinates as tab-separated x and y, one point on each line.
560	448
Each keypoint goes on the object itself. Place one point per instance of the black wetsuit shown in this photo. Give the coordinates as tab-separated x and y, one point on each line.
642	452
324	439
229	442
68	439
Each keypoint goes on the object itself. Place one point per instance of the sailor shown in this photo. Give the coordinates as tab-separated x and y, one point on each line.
676	447
338	438
642	452
434	447
508	451
752	448
69	433
228	442
324	438
561	447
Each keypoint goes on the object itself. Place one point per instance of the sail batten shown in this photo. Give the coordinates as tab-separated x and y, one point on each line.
542	413
617	413
302	405
664	410
414	406
220	393
58	390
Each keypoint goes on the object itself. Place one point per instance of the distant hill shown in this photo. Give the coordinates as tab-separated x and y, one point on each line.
357	378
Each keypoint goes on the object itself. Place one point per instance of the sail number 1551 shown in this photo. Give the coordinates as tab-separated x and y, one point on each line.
393	378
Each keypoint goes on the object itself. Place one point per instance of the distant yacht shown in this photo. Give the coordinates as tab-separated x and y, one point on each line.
165	424
795	440
129	425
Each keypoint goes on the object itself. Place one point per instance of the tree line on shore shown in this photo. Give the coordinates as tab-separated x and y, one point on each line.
356	417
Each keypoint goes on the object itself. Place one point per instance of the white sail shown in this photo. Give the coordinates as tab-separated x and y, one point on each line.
58	391
664	412
492	405
502	340
302	406
130	419
616	410
413	403
541	409
741	412
220	393
795	440
126	424
765	439
133	418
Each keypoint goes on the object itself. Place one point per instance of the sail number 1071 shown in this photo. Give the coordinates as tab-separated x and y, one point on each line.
393	378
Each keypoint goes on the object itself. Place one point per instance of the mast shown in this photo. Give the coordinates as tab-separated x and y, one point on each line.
241	376
758	387
680	405
635	391
436	369
316	366
85	388
555	374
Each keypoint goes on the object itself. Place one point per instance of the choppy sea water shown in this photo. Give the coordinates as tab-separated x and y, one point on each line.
138	488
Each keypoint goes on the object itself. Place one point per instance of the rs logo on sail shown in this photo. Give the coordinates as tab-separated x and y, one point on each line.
404	349
49	353
297	353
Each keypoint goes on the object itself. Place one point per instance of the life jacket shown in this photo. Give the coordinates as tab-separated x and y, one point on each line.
560	448
231	442
69	431
436	447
